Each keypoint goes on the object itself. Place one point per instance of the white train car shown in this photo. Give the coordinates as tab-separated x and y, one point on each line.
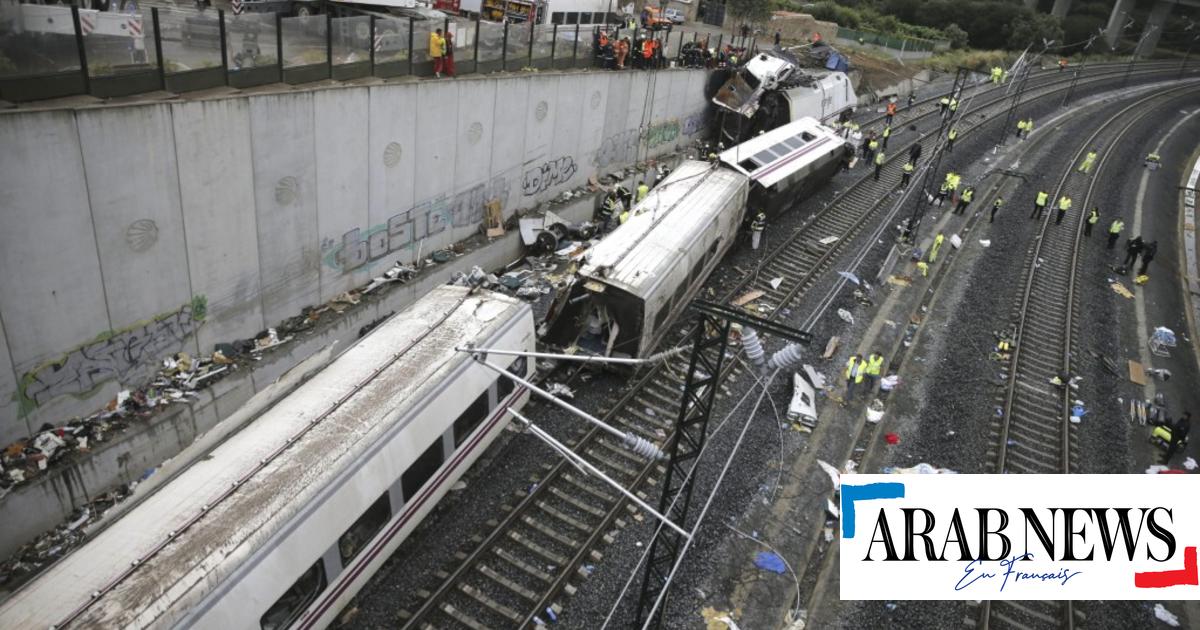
282	523
788	164
631	283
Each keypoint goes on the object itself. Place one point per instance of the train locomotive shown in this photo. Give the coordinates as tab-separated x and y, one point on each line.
281	524
631	285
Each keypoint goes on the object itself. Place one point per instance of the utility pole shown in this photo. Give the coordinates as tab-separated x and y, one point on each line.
1133	57
1079	69
926	195
709	341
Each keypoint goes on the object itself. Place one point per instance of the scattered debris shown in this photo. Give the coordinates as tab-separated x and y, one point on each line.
985	242
832	508
889	382
834	475
846	316
1189	463
900	281
1166	616
747	298
831	347
892	439
1120	289
1137	374
955	241
875	411
769	561
828	240
560	390
849	276
920	469
775	282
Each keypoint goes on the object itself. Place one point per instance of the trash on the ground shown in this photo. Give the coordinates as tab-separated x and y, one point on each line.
900	281
828	240
1077	412
985	242
459	485
775	282
560	390
749	297
828	533
875	411
1166	616
892	439
1189	463
850	276
832	508
1163	374
442	256
715	619
1161	340
831	347
1137	373
845	315
1141	279
1120	289
920	469
834	475
1154	469
889	382
890	606
769	561
955	241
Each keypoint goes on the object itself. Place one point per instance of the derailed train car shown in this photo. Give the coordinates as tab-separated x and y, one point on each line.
279	525
632	284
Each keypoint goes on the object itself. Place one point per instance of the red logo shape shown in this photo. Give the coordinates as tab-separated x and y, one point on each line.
1188	575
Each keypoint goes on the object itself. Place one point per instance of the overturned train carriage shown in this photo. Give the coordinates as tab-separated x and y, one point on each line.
283	522
787	165
632	282
635	280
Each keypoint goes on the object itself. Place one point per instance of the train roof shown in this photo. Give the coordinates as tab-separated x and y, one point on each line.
639	252
773	156
268	489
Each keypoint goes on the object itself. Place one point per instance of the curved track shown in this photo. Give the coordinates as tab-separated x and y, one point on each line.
1034	434
538	549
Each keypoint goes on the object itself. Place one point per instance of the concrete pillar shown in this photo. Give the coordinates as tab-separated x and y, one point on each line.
1060	8
1154	28
1116	20
1031	4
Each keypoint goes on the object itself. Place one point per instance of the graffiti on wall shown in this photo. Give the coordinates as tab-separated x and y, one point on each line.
621	148
113	355
548	174
403	230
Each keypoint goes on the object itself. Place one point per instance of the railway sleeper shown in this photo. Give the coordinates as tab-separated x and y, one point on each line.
489	603
528	569
460	617
549	532
549	555
608	499
621	452
503	581
564	517
612	464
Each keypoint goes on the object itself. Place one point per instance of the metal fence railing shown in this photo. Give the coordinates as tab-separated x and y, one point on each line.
50	51
889	41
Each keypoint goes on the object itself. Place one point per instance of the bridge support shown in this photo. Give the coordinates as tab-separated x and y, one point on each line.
1060	8
1116	22
1154	28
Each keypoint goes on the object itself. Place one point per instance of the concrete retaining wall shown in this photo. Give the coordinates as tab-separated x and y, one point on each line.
129	224
130	233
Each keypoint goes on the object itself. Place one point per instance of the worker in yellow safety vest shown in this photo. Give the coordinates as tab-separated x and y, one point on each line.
1039	204
887	133
996	72
855	371
1064	204
950	138
996	208
937	244
953	105
964	200
642	191
1114	232
1093	219
944	104
879	159
874	368
1088	161
906	172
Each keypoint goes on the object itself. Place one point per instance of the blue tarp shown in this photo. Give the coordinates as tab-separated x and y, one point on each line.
836	62
768	561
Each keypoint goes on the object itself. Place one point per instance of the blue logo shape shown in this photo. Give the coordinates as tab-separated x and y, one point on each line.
850	494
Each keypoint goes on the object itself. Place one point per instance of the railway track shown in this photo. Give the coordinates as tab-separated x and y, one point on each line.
1034	433
540	547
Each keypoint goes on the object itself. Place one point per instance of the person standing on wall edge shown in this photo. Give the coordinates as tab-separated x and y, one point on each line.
435	52
448	54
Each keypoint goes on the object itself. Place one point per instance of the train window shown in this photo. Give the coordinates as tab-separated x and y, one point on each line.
364	529
572	17
470	419
808	137
288	608
421	470
504	386
661	318
764	157
748	164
